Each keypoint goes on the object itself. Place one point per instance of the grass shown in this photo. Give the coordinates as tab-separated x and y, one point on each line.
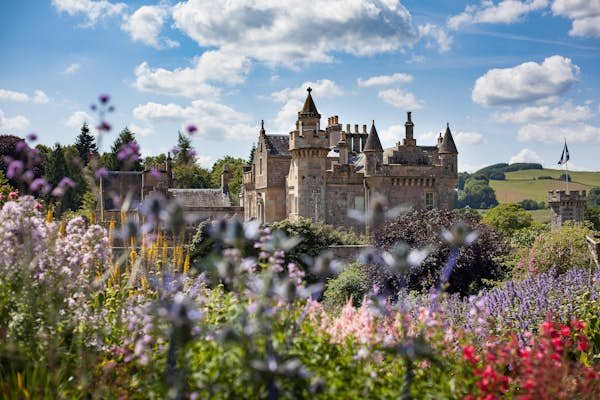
522	185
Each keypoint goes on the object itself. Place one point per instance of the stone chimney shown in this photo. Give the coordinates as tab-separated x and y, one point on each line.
343	147
409	140
226	176
364	128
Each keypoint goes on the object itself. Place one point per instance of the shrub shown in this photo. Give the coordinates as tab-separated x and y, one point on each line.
558	250
506	218
564	177
529	204
498	176
350	283
544	177
593	197
420	228
478	193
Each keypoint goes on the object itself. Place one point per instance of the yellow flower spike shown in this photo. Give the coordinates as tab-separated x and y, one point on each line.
19	381
92	218
111	232
164	253
145	284
132	242
61	229
186	264
49	215
133	256
122	218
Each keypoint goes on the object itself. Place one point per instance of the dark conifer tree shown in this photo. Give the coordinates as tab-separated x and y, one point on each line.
85	144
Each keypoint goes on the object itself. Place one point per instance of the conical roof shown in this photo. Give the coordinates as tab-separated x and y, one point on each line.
309	109
373	143
447	146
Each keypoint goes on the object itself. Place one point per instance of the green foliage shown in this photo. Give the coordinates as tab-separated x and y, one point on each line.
185	155
565	177
350	283
496	171
560	250
235	167
315	236
593	197
477	193
462	178
158	162
592	215
421	228
191	177
529	204
544	177
113	163
507	217
252	151
85	144
525	237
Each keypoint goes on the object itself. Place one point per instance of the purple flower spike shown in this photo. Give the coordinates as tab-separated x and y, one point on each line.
32	137
104	126
15	168
20	146
93	107
39	185
111	108
191	129
58	192
129	152
104	98
101	172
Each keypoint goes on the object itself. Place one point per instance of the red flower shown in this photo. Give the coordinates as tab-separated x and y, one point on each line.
565	331
469	354
583	344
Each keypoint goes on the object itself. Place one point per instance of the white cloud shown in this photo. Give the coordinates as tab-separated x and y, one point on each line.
525	82
204	161
211	66
563	113
72	68
439	35
503	12
213	120
400	99
11	95
392	134
285	32
574	133
40	97
293	99
526	155
17	123
468	138
141	130
585	15
385	79
92	10
76	119
145	25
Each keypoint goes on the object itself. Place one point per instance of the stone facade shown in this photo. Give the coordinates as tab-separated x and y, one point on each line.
322	173
566	207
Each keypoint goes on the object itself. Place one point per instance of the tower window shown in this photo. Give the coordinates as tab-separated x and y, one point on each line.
429	200
260	166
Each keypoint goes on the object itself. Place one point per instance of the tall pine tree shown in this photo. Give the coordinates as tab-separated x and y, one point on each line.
125	137
185	155
85	144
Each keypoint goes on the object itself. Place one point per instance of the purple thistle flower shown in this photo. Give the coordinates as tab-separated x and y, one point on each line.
32	137
58	192
175	150
191	129
111	108
39	185
191	153
20	146
104	98
14	169
93	107
67	182
155	173
104	126
101	172
129	152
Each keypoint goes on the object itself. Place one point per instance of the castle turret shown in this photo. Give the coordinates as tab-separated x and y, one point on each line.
373	152
409	140
309	146
448	152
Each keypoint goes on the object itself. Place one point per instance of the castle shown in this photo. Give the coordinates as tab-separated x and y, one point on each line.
321	173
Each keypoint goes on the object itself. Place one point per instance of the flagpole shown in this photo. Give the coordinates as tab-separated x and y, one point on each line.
567	175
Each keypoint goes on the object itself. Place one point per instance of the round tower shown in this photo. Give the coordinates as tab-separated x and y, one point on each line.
373	153
309	146
448	152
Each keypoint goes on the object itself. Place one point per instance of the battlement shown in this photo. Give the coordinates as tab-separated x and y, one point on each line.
562	195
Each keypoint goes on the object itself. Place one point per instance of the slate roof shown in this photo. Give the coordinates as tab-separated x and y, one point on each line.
447	146
373	143
201	197
278	145
309	108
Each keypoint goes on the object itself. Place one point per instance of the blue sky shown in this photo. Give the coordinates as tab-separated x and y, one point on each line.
513	78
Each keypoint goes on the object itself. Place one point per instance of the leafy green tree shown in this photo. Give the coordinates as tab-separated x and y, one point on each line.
252	152
352	282
507	218
593	197
191	177
478	194
592	214
85	144
233	165
462	179
158	162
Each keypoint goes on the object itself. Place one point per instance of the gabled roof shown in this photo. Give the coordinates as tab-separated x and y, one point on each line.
373	143
278	145
447	146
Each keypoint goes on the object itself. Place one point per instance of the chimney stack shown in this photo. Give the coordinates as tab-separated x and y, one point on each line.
364	128
355	128
348	128
335	119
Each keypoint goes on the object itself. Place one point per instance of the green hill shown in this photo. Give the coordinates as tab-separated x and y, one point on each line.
521	185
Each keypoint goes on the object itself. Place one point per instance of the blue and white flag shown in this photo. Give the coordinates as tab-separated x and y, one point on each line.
565	155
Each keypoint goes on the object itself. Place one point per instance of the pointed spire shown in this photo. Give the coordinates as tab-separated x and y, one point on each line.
373	143
447	146
309	109
262	127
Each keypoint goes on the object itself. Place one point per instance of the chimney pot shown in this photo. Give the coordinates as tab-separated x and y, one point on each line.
364	128
335	120
348	128
356	128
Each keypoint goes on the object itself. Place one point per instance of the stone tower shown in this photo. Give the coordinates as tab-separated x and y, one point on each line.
447	151
566	207
373	152
309	146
